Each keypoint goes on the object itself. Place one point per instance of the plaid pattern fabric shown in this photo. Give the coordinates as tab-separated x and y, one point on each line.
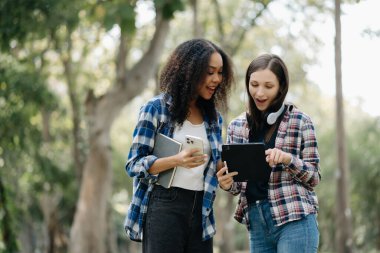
290	193
154	117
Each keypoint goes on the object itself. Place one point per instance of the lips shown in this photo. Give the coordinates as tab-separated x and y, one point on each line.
211	89
260	103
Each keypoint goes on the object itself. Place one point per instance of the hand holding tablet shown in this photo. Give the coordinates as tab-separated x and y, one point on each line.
225	178
248	159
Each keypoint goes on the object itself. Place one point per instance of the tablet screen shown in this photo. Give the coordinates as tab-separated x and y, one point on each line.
248	159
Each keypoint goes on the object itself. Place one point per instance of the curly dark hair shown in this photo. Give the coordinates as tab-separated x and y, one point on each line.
185	70
275	64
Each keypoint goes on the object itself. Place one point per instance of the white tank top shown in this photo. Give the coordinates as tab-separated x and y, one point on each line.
191	179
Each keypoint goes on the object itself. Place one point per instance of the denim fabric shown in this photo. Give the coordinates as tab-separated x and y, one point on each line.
174	222
299	236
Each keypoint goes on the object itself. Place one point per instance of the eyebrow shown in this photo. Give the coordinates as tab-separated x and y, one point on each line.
213	67
254	81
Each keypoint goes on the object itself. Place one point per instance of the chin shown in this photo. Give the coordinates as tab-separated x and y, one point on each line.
261	108
207	97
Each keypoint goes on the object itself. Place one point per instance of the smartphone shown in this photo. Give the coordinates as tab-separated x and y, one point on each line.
194	142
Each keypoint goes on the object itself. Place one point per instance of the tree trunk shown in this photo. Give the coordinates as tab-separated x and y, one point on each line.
26	237
343	237
7	232
197	32
49	206
78	153
232	43
111	233
227	232
88	233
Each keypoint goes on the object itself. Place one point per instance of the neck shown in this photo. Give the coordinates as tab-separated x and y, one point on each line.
195	115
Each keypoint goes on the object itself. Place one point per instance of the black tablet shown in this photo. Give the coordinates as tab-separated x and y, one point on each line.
248	159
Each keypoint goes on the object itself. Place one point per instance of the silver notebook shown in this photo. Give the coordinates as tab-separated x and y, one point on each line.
165	146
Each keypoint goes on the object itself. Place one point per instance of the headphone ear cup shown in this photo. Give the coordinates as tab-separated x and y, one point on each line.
272	117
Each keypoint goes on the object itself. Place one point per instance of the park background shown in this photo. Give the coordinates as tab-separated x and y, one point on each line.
74	73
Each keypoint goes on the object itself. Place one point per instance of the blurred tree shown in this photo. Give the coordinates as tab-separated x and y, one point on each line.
31	29
7	231
89	227
22	95
68	43
364	160
343	232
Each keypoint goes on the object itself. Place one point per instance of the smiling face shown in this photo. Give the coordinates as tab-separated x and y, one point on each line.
263	88
213	77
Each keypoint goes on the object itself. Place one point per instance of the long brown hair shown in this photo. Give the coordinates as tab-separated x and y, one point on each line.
275	64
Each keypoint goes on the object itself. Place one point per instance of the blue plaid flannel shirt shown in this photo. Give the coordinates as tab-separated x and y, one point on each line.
155	118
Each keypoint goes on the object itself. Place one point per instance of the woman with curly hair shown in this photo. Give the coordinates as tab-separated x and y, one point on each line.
179	219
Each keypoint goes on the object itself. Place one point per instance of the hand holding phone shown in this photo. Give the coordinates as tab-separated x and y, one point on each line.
194	142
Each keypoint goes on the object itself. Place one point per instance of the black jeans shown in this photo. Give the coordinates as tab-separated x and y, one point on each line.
174	222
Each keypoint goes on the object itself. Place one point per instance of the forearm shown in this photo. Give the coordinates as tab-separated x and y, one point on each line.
162	164
306	173
305	166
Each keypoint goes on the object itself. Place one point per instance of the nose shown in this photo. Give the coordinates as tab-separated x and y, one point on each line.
259	91
217	78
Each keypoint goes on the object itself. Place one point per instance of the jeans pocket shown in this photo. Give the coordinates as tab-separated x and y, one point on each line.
164	195
316	221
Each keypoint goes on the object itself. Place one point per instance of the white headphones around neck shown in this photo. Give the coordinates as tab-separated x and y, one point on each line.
272	117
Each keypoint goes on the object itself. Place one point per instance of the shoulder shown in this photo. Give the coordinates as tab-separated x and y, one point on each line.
239	121
157	101
298	119
238	130
155	109
296	113
157	104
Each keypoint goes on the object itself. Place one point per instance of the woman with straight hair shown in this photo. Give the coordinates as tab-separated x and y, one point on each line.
280	213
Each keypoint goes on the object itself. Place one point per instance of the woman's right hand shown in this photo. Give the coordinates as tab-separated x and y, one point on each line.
225	179
190	158
186	158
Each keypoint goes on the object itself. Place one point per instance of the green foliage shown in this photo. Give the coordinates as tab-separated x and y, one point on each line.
120	13
27	163
22	94
363	151
38	18
362	133
31	168
18	18
169	7
7	231
17	107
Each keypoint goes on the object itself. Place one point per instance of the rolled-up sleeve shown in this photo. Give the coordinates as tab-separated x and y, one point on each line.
140	157
305	169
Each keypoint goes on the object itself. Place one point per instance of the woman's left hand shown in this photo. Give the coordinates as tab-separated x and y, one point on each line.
276	156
